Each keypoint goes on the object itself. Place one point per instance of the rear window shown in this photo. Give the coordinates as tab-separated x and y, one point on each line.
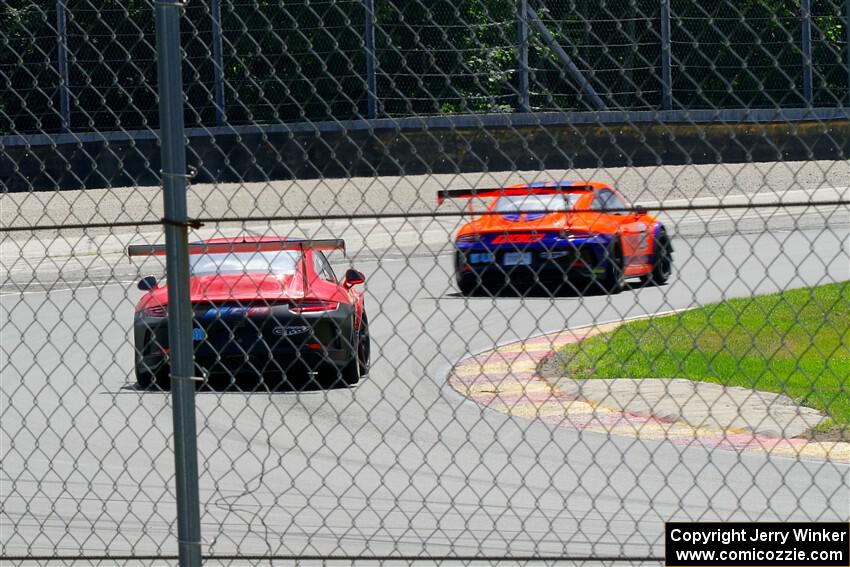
280	262
523	203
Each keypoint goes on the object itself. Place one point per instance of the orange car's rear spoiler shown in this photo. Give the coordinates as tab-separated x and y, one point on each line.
506	192
248	246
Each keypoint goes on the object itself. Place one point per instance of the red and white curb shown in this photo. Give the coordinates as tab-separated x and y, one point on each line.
505	379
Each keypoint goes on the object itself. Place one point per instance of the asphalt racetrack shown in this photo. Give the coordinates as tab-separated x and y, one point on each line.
400	464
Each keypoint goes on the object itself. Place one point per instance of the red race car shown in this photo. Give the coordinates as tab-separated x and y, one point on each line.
555	233
268	307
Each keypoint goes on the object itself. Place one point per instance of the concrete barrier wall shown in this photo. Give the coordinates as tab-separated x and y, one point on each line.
86	162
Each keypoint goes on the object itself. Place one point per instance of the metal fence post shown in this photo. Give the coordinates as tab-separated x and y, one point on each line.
666	58
806	16
847	35
173	153
62	63
371	82
218	63
585	86
522	59
630	58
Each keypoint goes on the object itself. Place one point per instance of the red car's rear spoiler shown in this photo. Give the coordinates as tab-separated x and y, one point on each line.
249	246
506	192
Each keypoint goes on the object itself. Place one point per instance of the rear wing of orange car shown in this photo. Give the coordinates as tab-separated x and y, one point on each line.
506	192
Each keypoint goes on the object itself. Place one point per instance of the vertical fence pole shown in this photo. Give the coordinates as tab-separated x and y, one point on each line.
371	81
630	57
218	63
847	35
168	15
806	17
522	59
571	68
666	56
62	63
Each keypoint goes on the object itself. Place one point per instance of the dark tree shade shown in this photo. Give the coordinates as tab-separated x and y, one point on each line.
296	61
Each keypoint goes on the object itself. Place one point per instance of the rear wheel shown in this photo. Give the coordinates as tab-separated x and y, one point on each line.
614	278
467	284
360	365
147	380
662	266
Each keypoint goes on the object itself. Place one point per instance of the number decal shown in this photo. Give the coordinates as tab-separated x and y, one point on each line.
642	238
638	240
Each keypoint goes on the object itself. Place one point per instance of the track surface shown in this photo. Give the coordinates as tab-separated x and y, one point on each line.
399	464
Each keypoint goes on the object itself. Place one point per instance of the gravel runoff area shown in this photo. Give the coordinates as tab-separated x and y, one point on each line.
414	193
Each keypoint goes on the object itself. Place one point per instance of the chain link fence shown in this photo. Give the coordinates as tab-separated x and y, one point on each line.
481	281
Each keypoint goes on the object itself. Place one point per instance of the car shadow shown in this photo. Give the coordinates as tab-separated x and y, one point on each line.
250	384
538	291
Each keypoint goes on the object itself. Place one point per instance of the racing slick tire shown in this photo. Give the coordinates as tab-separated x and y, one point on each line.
468	284
613	280
364	347
146	380
662	267
358	367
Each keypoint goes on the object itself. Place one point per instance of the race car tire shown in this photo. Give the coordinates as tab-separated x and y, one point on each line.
146	380
359	366
614	279
364	347
662	266
468	285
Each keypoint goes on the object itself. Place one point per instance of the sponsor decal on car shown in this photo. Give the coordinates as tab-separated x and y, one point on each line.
291	330
214	312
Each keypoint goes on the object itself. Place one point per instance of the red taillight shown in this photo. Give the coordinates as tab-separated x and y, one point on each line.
518	237
315	346
313	306
155	311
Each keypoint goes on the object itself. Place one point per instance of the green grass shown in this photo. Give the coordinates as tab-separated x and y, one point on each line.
795	342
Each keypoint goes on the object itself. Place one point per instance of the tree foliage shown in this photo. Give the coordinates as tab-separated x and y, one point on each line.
305	60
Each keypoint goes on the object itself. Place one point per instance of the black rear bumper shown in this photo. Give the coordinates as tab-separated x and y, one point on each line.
235	342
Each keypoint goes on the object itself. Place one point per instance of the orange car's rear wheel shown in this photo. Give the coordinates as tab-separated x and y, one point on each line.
615	274
358	367
468	282
662	265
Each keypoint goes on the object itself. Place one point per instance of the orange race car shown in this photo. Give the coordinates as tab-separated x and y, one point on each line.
557	233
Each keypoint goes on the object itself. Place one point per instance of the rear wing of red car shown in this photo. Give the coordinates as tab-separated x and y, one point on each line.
506	192
248	246
237	246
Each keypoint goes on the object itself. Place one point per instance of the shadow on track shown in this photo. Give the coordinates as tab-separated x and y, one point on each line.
542	291
249	383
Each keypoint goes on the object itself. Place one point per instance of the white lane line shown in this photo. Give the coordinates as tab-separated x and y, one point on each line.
52	290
